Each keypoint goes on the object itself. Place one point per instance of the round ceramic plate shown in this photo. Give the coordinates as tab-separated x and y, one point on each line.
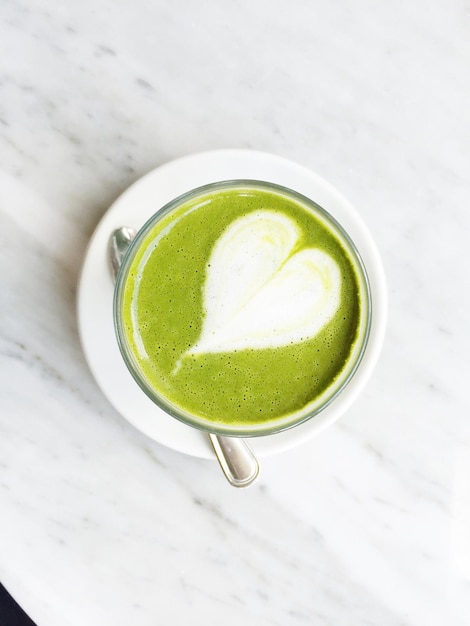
133	208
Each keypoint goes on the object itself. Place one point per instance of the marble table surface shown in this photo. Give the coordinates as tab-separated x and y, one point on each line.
368	523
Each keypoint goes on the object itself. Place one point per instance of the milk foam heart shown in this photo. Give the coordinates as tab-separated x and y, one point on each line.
260	291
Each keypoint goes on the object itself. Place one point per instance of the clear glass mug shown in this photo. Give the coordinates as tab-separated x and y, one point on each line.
258	429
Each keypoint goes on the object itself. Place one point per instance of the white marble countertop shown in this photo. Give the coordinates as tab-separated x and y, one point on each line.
369	522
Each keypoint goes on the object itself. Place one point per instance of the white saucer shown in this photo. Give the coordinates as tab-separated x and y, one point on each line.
133	208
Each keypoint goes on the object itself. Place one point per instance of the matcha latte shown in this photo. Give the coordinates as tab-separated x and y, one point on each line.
242	308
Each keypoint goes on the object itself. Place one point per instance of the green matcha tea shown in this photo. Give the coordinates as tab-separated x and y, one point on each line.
242	309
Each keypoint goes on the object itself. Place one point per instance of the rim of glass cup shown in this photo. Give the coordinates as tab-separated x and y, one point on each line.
272	426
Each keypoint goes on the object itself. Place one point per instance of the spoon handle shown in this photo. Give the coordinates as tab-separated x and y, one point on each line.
119	242
239	464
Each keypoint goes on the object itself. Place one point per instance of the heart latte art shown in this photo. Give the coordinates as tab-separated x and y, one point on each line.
242	308
259	293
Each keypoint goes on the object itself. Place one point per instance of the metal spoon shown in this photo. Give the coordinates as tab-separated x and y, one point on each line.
236	458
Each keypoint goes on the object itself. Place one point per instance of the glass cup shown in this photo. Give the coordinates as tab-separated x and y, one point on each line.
344	379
